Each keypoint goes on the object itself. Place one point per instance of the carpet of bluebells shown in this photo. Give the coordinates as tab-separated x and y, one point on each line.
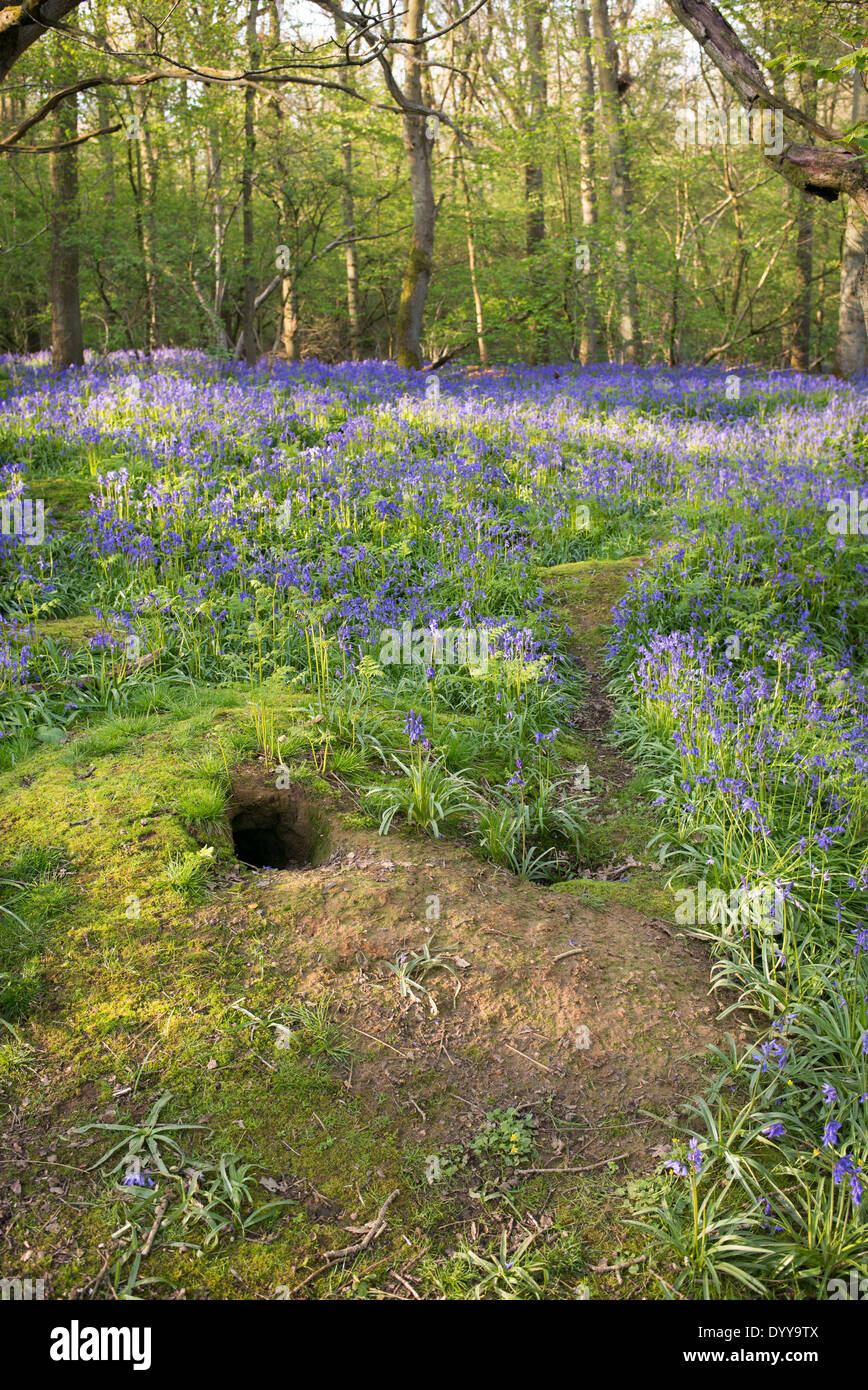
266	525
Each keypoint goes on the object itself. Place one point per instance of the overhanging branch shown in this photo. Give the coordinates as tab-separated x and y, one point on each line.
823	173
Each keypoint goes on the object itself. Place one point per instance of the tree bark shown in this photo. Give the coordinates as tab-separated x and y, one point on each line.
103	106
248	317
147	186
215	181
22	25
589	345
352	254
471	261
606	54
800	345
67	345
417	274
289	319
800	341
349	226
851	350
534	191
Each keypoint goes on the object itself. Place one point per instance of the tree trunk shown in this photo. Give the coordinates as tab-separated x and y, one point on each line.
248	318
800	346
798	350
589	345
471	261
22	25
289	312
606	55
215	183
289	319
148	194
417	274
349	224
352	254
534	192
104	112
852	345
67	345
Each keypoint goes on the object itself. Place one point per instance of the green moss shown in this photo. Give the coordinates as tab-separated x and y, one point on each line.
67	499
641	892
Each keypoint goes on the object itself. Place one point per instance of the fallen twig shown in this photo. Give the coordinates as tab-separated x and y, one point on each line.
542	1066
374	1229
405	1055
586	1168
159	1213
332	1256
625	1264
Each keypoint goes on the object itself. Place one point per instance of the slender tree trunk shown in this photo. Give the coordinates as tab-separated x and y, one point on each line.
852	345
471	261
104	114
417	274
798	352
67	345
800	347
819	352
289	319
215	182
673	349
106	150
606	55
248	319
289	312
589	345
145	238
534	191
349	224
352	253
145	191
148	189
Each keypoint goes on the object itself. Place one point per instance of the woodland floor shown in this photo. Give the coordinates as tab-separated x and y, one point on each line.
581	1007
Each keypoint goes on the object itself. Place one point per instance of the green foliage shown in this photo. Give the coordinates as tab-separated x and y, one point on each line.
508	1137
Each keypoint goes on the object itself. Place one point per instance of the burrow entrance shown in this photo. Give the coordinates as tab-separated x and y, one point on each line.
274	828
